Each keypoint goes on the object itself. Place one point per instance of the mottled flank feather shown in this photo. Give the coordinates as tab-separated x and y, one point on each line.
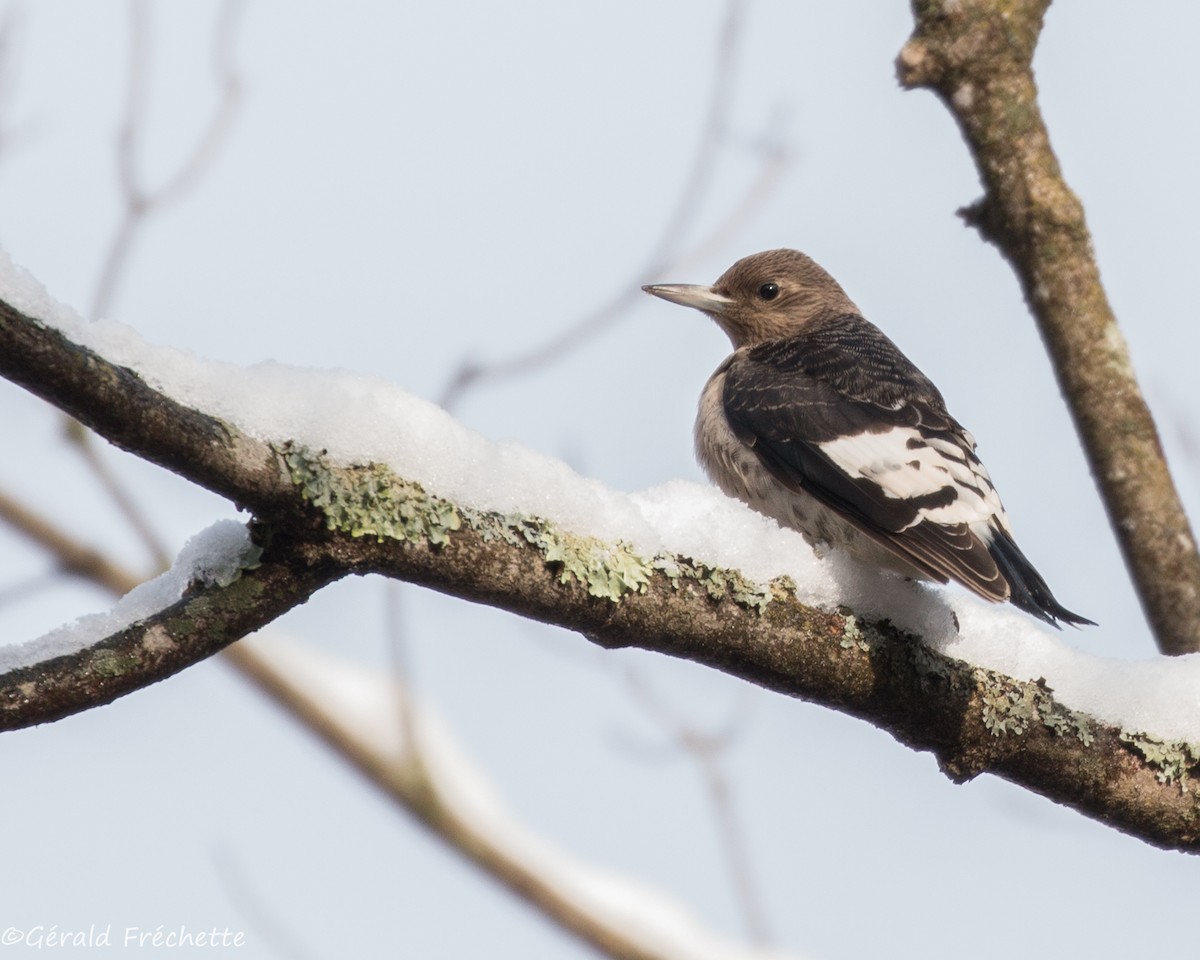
818	420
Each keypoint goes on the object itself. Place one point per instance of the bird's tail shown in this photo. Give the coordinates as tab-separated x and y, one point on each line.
1028	589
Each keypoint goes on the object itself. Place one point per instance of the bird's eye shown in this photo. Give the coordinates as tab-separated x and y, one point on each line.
769	291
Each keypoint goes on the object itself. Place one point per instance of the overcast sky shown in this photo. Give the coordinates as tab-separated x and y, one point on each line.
411	185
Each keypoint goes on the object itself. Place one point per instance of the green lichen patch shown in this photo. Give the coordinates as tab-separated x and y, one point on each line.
720	583
606	570
370	500
853	634
1171	760
1068	723
1011	707
615	570
1008	707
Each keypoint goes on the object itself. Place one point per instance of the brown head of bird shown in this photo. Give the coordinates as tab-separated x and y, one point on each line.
766	296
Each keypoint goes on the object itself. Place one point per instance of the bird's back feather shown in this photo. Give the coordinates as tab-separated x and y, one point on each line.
837	411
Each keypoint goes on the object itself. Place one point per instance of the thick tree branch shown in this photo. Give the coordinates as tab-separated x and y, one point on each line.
321	521
976	55
120	406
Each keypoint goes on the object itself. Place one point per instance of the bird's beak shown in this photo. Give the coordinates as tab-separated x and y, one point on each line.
691	295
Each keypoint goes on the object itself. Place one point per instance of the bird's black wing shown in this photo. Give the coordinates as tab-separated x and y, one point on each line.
839	412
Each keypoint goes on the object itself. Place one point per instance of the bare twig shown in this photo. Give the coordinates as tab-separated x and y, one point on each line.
9	25
30	586
251	904
126	505
139	201
401	662
707	750
667	250
976	55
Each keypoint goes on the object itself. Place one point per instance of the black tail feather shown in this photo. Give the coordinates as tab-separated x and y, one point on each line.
1028	590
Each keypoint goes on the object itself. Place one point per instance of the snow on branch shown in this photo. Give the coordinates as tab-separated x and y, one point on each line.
408	493
217	593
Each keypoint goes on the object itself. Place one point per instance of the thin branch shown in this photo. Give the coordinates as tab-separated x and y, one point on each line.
9	25
159	646
706	750
126	505
30	586
72	556
140	202
977	55
252	905
665	253
431	778
401	664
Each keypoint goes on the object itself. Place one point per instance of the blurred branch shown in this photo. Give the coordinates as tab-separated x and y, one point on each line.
141	203
668	252
426	772
270	930
126	505
977	55
9	25
335	520
707	751
72	556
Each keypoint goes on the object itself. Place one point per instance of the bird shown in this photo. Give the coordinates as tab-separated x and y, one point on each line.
819	421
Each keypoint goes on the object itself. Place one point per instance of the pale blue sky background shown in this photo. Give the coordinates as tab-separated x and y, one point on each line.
411	184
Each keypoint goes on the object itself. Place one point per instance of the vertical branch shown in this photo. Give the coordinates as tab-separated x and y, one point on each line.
976	55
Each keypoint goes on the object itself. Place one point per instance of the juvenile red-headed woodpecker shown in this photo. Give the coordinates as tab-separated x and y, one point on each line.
819	421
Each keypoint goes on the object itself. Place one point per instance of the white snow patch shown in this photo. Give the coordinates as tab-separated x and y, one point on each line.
22	290
212	556
1160	696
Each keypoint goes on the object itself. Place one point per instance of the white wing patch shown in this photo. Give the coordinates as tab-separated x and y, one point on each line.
907	465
